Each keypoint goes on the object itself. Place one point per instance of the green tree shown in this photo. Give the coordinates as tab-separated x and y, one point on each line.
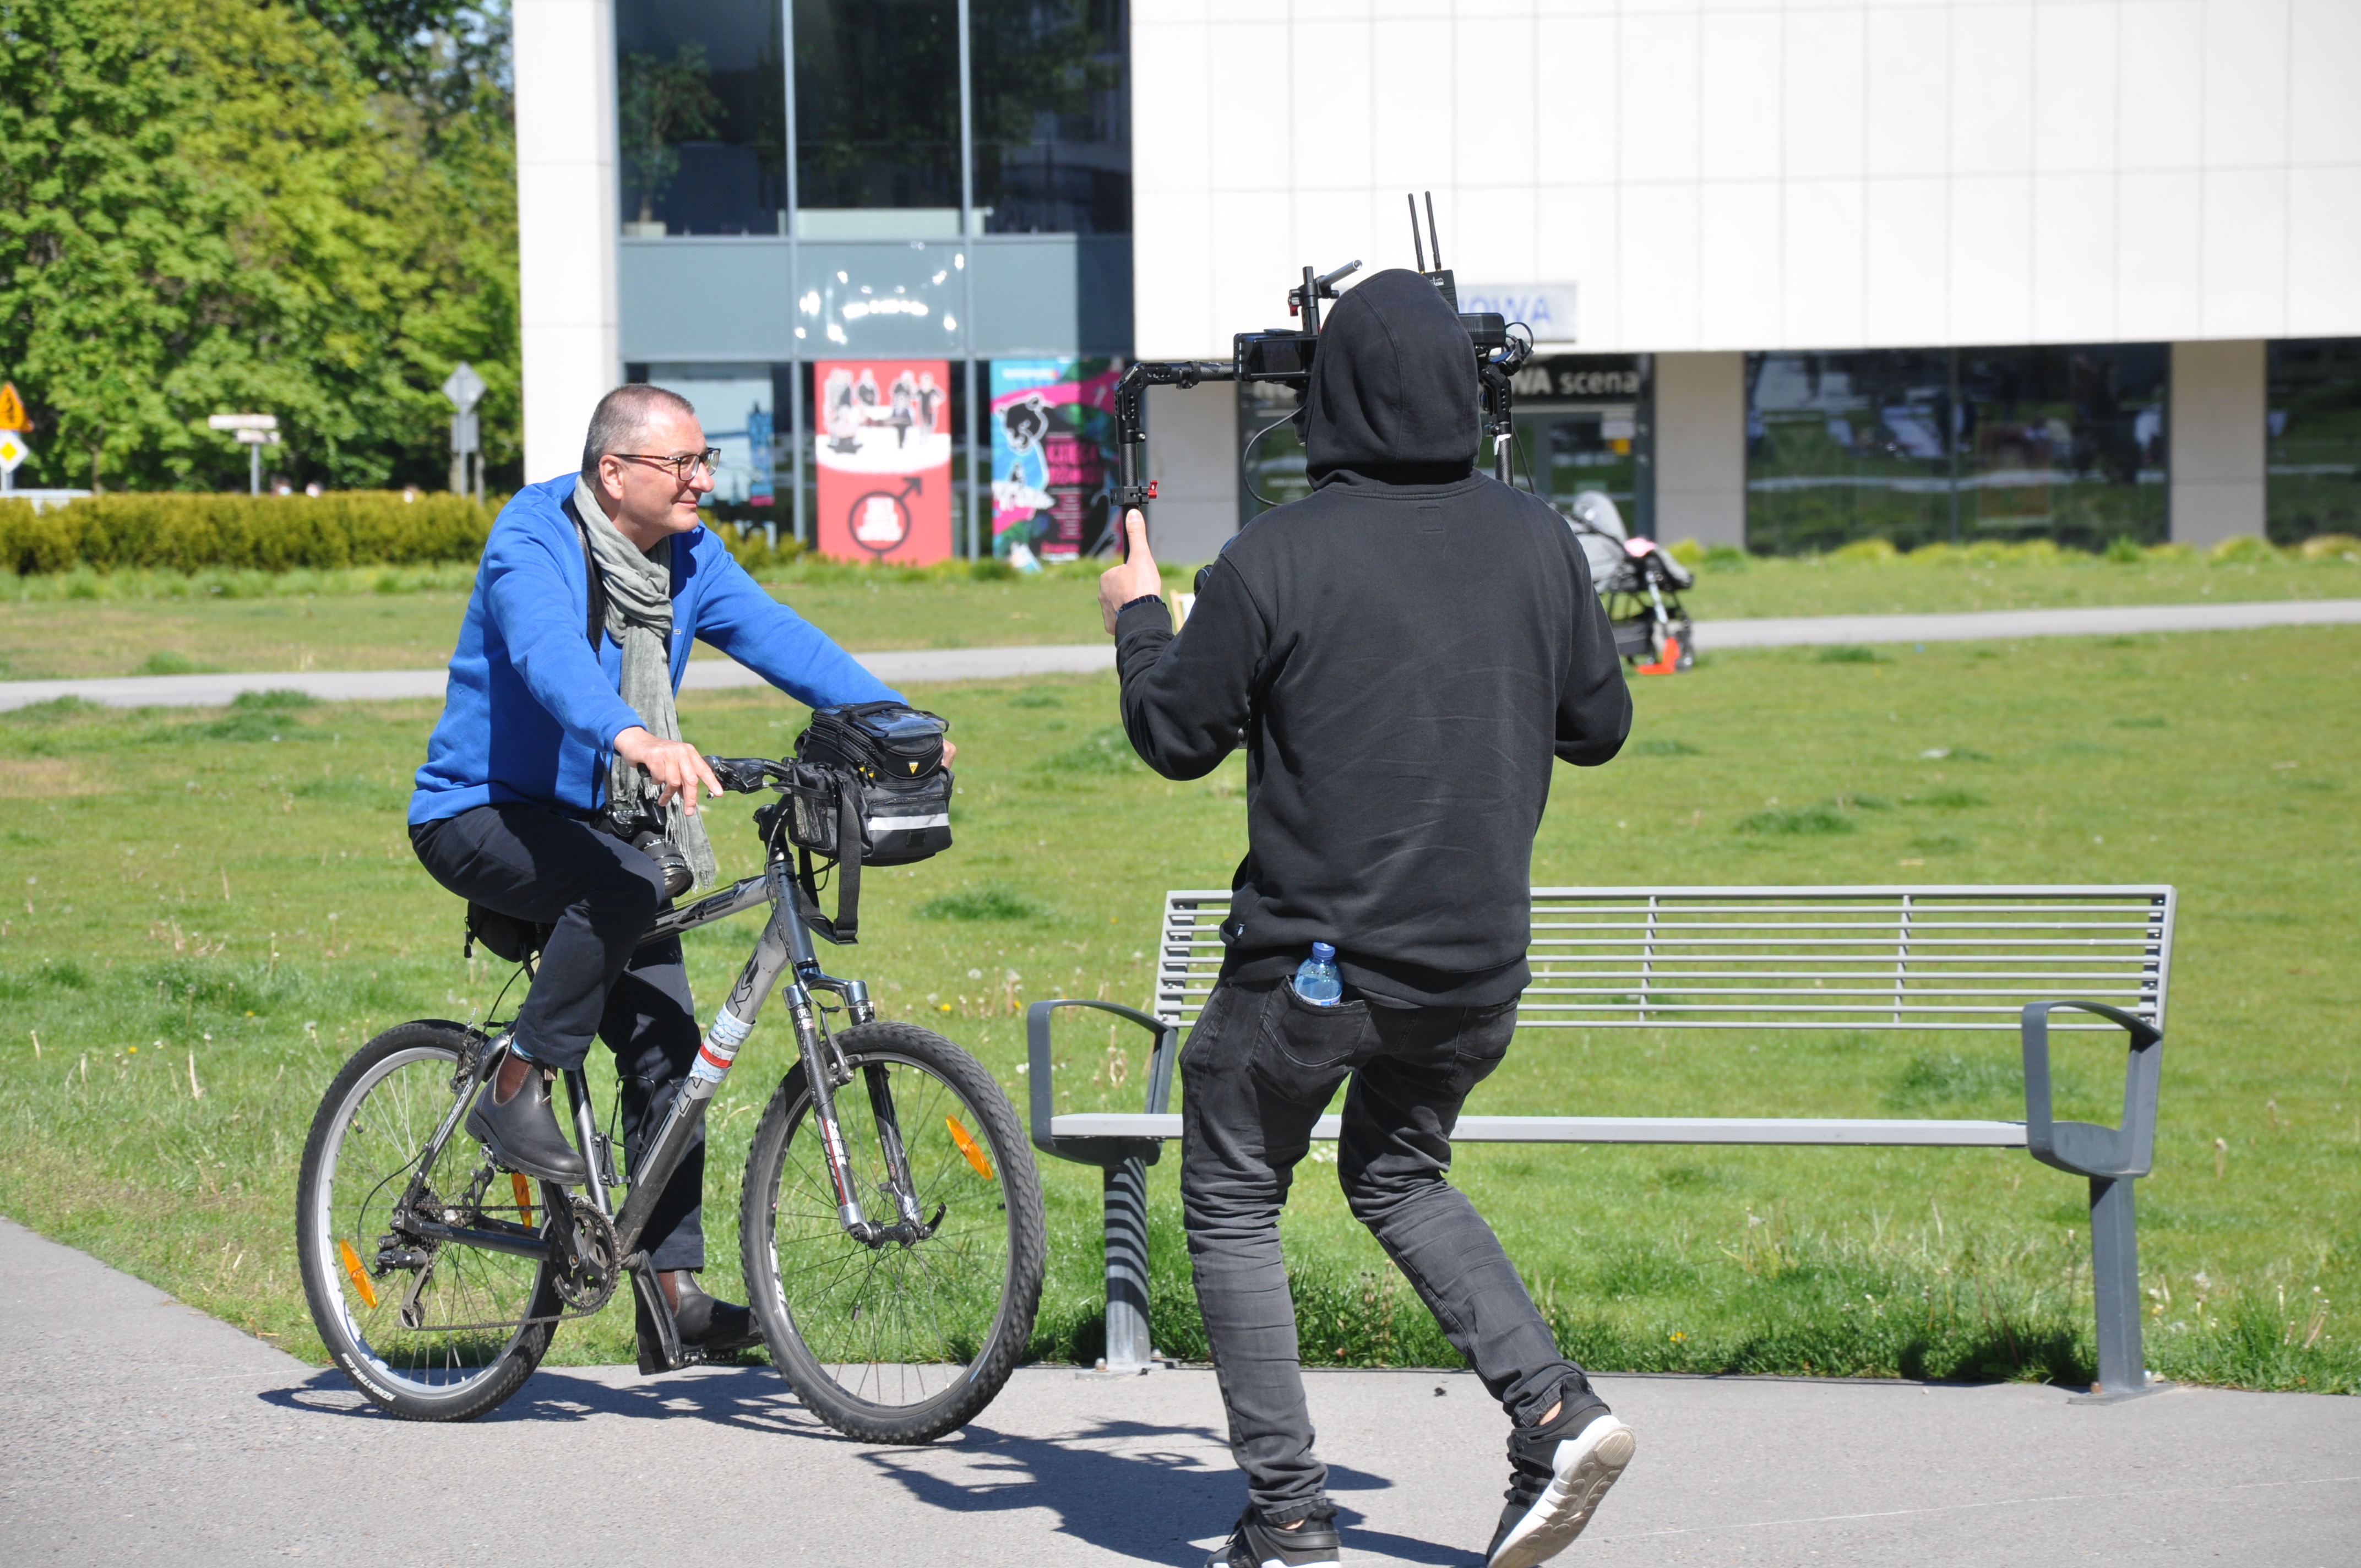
207	208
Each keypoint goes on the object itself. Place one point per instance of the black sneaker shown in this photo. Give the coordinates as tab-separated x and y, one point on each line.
1254	1544
1557	1474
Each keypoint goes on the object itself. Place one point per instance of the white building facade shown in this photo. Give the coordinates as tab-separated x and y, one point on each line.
1949	269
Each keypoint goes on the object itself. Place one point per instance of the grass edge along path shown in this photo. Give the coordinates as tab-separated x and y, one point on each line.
208	911
93	625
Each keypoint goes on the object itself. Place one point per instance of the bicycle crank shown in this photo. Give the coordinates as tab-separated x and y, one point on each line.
585	1254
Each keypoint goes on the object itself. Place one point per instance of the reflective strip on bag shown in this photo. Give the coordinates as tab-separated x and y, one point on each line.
908	824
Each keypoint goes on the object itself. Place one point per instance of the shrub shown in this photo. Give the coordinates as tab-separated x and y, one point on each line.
2125	551
1687	551
188	532
2242	550
2321	546
1879	550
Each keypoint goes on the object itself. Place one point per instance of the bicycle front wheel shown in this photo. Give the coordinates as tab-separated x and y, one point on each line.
429	1333
898	1341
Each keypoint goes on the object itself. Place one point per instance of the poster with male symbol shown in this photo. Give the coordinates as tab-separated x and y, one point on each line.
883	452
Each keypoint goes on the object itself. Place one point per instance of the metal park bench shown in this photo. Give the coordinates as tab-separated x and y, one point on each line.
1932	958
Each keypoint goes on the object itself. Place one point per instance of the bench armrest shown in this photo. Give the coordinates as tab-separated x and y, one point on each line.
2082	1148
1095	1151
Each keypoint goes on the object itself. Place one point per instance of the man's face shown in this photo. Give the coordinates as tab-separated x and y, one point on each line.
650	499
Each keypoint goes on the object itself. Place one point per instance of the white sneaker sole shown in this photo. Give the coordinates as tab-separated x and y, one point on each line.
1585	1466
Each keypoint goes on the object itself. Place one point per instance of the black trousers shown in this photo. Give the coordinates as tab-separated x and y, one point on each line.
1259	1068
598	894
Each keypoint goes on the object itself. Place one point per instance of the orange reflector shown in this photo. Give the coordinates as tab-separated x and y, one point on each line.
361	1281
967	1146
523	1190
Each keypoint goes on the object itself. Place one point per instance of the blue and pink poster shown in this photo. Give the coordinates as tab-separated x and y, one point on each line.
1052	455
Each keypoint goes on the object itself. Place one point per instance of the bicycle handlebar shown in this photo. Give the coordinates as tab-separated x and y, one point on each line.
744	775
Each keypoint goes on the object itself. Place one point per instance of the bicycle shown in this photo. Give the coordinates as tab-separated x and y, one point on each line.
438	1287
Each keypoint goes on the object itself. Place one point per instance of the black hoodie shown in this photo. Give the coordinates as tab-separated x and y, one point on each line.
1402	652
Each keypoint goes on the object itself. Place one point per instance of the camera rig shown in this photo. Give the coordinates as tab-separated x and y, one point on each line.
1283	356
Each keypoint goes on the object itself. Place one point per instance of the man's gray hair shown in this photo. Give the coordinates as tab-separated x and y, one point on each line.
620	422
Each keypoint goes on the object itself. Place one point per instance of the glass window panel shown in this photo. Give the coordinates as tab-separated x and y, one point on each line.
1052	116
876	109
2314	483
1921	446
701	123
1578	428
1273	460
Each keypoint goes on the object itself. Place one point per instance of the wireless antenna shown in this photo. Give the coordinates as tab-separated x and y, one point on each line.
1434	241
1417	248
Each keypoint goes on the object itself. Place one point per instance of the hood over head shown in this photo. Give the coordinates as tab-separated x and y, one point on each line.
1393	395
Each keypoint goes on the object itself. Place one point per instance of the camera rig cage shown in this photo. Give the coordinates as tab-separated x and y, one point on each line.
1283	356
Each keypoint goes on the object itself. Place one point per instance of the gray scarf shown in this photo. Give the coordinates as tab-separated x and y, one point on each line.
639	618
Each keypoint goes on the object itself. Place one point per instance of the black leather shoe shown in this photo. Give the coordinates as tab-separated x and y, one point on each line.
522	1135
709	1324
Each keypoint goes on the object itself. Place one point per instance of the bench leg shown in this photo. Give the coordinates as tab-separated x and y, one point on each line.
1127	1346
2115	1279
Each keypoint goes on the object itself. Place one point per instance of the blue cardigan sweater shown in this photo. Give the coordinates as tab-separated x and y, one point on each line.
531	713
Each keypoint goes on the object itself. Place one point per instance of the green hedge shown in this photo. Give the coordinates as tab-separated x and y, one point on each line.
269	534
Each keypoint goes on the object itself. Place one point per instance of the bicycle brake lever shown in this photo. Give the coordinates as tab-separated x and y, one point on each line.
742	775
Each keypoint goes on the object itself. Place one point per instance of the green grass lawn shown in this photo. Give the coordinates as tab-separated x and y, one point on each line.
85	624
233	888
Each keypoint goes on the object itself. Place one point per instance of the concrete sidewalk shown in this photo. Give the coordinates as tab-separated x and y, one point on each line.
925	665
133	1428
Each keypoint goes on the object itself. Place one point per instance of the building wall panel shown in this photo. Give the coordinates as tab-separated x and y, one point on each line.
2009	171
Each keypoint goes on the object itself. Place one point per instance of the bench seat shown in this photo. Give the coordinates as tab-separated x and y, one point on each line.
1940	959
1899	1132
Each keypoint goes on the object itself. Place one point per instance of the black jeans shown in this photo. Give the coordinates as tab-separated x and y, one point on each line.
1260	1065
598	894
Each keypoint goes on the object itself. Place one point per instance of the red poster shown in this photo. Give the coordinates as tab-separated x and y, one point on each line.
885	458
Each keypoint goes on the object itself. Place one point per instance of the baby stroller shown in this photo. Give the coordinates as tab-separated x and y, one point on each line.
1640	585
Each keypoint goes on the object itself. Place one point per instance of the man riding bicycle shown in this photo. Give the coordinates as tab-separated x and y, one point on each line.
560	706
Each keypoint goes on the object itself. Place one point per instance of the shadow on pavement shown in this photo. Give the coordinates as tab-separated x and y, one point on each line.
1114	1488
753	1399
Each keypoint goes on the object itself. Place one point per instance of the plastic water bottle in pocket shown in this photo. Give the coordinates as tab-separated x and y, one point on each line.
1316	979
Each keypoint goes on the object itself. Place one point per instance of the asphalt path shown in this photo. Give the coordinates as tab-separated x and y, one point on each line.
928	666
137	1430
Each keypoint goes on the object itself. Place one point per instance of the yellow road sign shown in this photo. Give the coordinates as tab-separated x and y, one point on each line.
13	451
12	408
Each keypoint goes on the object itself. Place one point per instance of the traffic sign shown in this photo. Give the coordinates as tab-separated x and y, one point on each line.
243	422
13	451
463	388
258	438
12	410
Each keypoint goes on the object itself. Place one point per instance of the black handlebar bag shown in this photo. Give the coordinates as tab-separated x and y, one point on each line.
868	788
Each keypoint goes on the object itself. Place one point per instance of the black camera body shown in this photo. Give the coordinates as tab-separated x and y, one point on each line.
642	826
1284	357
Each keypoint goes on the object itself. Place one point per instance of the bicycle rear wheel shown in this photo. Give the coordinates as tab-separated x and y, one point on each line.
898	1342
428	1333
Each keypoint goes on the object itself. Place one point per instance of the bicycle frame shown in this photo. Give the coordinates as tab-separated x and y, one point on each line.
783	951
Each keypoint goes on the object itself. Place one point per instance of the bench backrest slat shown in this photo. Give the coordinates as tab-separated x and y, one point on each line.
1940	957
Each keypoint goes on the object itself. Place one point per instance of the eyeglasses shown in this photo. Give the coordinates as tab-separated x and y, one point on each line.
680	463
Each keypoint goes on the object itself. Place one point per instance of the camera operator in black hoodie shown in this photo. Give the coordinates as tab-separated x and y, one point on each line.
1402	653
